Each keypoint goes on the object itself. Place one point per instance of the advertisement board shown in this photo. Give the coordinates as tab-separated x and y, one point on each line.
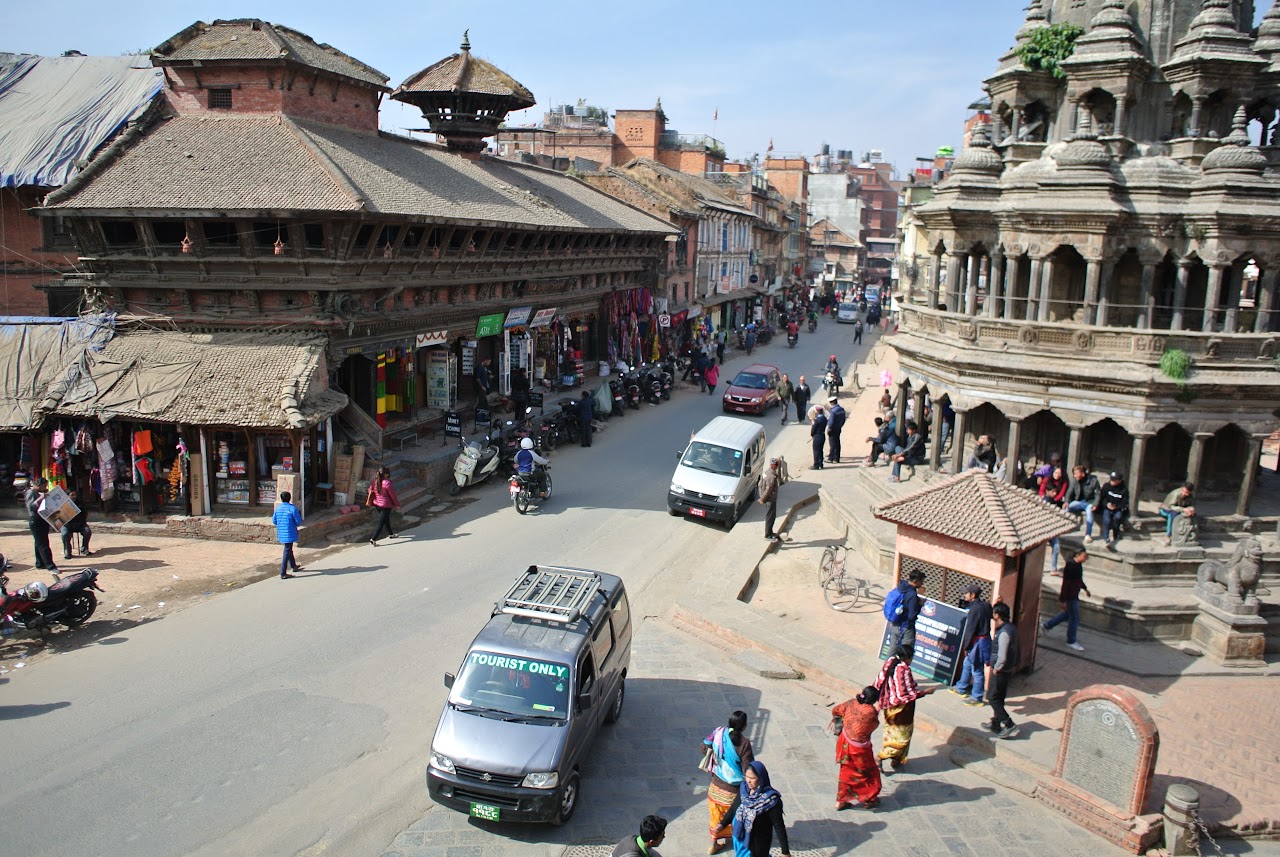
938	629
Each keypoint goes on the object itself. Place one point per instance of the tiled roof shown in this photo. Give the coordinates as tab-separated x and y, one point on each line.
254	380
462	72
976	508
251	39
249	163
688	191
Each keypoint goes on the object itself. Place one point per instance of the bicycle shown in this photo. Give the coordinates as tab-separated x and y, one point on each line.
841	589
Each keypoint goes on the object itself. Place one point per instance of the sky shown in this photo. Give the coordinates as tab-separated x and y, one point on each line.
860	75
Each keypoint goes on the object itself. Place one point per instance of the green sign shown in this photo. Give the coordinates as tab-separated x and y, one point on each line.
506	662
490	325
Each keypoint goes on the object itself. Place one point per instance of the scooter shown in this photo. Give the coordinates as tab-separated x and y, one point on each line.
631	386
35	607
650	385
525	490
619	404
475	463
667	377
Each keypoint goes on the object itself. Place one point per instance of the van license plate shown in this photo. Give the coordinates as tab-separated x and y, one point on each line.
483	810
698	513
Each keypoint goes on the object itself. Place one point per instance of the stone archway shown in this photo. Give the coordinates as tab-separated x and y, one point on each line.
989	420
1065	289
1124	291
1164	462
1043	433
1105	446
1222	466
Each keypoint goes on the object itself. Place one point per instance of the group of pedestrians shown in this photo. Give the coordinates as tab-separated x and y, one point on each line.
743	808
75	530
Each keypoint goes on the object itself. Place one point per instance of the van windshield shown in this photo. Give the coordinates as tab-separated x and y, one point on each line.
518	686
713	458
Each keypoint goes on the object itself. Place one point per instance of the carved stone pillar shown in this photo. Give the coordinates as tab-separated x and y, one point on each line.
957	440
1197	110
1212	295
904	392
1147	297
1033	286
1046	289
1135	470
935	433
1180	294
955	265
935	282
1106	287
1011	450
1012	265
1196	457
971	288
1234	285
995	285
1266	296
1122	117
1250	476
1073	449
1015	121
1093	274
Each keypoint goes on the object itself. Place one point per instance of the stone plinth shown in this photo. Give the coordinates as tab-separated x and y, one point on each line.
1237	639
1106	760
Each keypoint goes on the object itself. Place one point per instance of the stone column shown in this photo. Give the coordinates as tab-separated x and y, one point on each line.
1075	115
1266	294
1093	273
1105	287
1211	298
1073	448
1250	476
971	289
1012	265
1146	316
1011	450
957	440
1033	286
904	390
1197	110
1046	289
1234	284
935	432
1135	471
935	282
954	266
1180	294
1015	121
1122	117
995	285
1196	456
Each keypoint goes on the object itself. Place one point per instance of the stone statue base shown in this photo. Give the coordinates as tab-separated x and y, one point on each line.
1230	638
1136	834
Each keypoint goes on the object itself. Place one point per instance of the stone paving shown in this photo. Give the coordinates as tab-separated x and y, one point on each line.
679	689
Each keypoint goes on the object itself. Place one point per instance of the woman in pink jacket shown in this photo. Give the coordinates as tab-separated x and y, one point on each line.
382	496
712	375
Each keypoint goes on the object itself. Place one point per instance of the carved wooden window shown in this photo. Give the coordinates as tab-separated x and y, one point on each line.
119	233
169	233
221	235
313	236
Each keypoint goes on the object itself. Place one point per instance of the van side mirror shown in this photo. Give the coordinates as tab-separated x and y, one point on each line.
448	679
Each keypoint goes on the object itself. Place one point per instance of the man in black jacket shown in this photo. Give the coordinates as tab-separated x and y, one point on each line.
912	452
1082	497
1004	660
835	424
653	829
1114	505
818	434
975	644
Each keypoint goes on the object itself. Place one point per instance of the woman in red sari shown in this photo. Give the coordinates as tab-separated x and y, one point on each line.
859	772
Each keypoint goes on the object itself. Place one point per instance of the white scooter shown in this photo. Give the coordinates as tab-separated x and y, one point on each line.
475	463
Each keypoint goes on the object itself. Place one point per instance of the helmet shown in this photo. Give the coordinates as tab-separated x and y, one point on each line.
526	443
36	591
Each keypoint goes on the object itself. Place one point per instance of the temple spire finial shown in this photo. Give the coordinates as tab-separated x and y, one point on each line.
466	40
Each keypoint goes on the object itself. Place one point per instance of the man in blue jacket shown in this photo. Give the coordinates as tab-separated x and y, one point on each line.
287	518
835	423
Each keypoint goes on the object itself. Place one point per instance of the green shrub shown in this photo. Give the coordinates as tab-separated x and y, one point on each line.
1048	47
1175	363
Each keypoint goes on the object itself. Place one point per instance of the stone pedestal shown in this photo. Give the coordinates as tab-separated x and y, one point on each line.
1232	639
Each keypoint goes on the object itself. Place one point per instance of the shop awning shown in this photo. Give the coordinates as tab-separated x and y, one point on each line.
251	380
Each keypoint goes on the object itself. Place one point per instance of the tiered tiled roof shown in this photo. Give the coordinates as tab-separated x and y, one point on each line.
686	191
976	508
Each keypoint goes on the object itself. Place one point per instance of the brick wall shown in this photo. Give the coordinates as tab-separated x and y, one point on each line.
24	262
258	90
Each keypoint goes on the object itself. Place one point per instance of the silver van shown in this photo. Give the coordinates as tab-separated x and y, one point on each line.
535	685
718	472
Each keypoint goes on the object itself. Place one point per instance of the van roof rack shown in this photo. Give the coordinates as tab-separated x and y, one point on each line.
551	593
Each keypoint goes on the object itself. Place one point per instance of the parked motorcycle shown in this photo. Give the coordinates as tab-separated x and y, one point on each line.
619	403
475	463
650	385
525	490
35	606
568	417
631	388
667	377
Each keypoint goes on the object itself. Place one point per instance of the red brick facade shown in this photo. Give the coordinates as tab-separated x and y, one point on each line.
252	89
25	259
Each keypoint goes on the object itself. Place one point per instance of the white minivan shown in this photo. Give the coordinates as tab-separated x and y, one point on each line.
718	472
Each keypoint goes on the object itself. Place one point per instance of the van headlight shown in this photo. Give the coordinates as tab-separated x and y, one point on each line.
541	780
441	763
726	498
677	489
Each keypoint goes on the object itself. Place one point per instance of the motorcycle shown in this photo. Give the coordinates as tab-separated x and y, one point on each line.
650	385
525	490
475	463
813	323
831	382
792	339
667	378
568	418
35	607
619	403
631	388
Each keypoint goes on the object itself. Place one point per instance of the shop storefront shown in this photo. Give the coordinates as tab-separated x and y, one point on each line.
630	330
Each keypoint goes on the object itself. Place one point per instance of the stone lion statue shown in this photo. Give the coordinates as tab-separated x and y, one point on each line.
1238	578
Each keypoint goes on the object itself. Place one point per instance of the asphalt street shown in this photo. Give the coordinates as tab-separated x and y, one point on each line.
295	717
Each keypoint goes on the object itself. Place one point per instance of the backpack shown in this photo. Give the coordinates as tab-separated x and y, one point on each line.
893	608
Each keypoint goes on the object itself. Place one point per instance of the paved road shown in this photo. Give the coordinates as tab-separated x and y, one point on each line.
295	717
648	763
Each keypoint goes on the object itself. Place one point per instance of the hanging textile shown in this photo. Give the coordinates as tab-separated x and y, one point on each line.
380	392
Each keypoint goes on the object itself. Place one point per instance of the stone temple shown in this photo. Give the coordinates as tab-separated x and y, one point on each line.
1106	256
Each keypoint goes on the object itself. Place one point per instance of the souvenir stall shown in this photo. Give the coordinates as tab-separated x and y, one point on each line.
629	327
246	465
394	385
545	337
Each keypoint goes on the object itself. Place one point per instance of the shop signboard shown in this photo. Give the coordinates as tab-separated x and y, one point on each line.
452	424
543	317
469	359
57	508
435	337
489	325
439	372
518	317
938	630
484	417
535	400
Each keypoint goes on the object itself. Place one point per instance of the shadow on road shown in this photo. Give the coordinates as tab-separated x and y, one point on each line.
17	712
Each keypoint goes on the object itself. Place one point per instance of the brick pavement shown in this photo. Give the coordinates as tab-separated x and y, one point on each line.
680	688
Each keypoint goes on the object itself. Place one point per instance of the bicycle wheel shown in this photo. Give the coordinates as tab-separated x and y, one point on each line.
826	566
841	592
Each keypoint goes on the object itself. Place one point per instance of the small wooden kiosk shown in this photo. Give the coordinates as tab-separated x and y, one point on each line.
972	528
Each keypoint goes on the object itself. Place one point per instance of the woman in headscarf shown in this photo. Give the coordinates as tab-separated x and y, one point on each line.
859	772
731	753
757	815
898	695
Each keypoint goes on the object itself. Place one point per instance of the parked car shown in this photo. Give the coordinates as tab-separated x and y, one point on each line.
847	313
753	390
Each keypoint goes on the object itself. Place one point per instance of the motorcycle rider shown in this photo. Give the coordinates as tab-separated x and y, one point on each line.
526	459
